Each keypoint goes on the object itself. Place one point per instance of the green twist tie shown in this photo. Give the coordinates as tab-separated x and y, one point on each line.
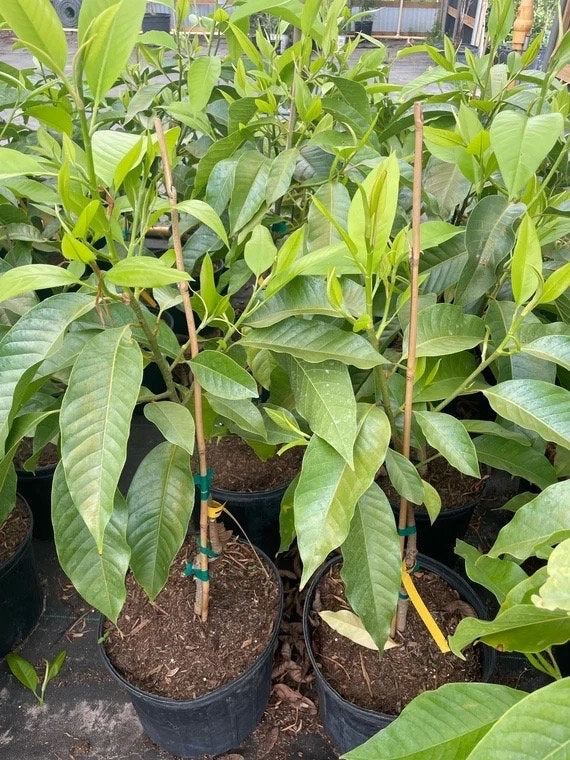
204	482
201	575
402	596
409	531
208	551
415	568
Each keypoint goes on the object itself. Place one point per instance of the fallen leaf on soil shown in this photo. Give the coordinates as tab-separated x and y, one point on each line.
465	610
246	643
284	692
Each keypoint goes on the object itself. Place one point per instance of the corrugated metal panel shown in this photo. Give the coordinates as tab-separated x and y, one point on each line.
415	20
157	8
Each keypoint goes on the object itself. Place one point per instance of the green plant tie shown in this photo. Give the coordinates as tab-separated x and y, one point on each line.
204	482
402	596
208	551
279	228
407	531
201	575
416	568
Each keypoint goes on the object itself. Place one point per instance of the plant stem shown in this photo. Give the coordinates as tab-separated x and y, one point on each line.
154	347
408	544
194	349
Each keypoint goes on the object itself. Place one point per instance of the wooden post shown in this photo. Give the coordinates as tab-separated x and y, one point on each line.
523	25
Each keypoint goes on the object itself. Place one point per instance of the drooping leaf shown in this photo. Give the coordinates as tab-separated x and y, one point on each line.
95	419
350	625
110	148
287	516
248	194
39	29
242	412
371	564
444	329
160	501
551	348
328	489
144	272
526	262
174	421
23	670
16	164
34	277
221	376
334	197
205	214
280	175
98	576
447	435
404	477
497	575
203	74
555	593
260	251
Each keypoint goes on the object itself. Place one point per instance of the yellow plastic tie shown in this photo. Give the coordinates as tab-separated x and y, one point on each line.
215	509
423	612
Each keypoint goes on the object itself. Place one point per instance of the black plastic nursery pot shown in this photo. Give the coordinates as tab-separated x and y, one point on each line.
160	22
35	487
21	595
215	722
346	724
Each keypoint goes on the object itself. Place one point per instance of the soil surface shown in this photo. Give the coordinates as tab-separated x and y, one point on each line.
14	530
238	468
388	683
48	457
454	488
155	642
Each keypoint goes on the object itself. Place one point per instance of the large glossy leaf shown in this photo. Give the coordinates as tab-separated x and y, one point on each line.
447	435
110	147
497	575
447	184
15	164
349	625
554	594
536	728
551	348
99	576
321	232
489	238
280	174
535	405
526	264
443	375
160	502
248	194
203	74
420	733
144	272
328	489
444	329
205	214
174	421
521	143
543	521
34	277
520	628
242	412
221	376
95	420
112	35
371	566
37	26
516	458
324	397
404	477
35	335
314	341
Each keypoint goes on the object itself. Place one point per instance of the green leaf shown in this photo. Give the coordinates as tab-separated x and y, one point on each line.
314	341
110	148
521	143
280	175
260	251
404	477
527	261
328	489
39	29
99	576
557	284
205	214
447	435
35	336
16	164
34	277
496	429
544	521
203	75
350	625
551	348
444	329
497	575
371	566
554	594
23	670
435	233
432	501
221	376
447	184
520	628
325	398
536	728
470	710
220	149
55	666
242	412
516	458
535	405
174	421
501	17
144	272
321	232
95	420
489	238
160	501
248	195
111	35
287	516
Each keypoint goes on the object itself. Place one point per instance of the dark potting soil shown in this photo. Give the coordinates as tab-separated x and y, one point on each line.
164	648
388	683
454	488
238	468
48	457
14	530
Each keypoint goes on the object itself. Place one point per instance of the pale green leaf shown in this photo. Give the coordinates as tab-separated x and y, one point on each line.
39	29
203	74
432	501
516	458
497	575
526	261
221	376
13	163
34	277
350	625
174	421
447	435
555	593
206	215
557	284
434	233
144	272
444	329
551	348
260	251
110	148
404	477
280	175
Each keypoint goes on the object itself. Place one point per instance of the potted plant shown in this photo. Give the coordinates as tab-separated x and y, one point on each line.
363	19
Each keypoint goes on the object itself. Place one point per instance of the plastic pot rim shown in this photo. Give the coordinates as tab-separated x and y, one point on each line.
424	562
8	563
220	691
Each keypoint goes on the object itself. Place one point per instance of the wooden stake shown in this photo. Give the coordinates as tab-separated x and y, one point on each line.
203	587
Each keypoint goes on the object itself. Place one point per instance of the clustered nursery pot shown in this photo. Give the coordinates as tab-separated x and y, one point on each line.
347	724
35	487
214	722
21	596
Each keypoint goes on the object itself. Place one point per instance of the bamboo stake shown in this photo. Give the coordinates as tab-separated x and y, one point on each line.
202	587
408	544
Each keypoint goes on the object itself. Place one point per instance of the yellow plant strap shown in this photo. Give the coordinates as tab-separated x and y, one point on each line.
423	611
215	509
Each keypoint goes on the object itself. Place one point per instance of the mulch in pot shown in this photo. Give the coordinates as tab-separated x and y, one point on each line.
48	458
164	648
14	530
386	684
